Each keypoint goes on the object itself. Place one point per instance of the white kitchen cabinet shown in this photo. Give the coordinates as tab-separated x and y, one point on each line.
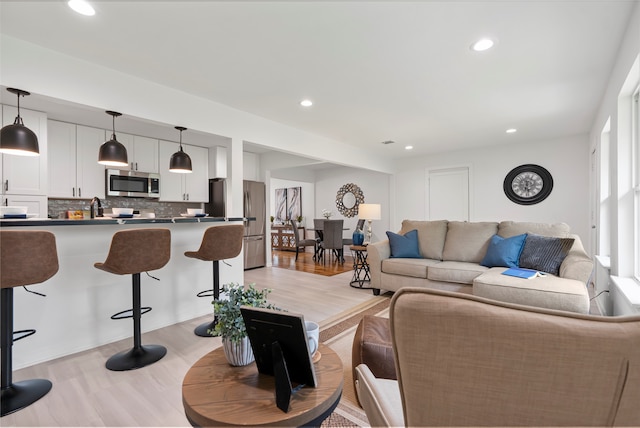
192	187
142	152
74	171
197	183
25	175
36	204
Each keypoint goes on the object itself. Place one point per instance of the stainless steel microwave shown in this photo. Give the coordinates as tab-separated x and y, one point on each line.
133	184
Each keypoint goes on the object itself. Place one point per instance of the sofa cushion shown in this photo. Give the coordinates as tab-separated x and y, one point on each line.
404	246
416	268
544	253
468	242
507	229
547	292
504	251
460	272
431	236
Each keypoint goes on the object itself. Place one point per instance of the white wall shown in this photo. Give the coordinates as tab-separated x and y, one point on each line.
307	198
53	74
566	159
374	185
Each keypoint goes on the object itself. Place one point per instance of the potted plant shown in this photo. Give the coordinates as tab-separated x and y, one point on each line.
230	324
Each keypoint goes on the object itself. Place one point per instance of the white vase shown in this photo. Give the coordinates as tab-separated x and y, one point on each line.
238	353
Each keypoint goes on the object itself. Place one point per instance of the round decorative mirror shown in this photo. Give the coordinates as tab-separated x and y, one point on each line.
348	198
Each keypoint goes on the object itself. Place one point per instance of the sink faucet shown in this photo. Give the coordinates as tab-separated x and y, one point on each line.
96	213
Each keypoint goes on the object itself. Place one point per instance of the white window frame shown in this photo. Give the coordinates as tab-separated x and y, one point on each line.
635	123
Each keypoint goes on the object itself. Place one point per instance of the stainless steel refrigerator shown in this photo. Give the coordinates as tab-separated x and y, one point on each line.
254	230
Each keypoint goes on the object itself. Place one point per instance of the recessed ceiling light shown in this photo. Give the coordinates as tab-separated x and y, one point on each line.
408	147
482	45
511	131
82	7
306	103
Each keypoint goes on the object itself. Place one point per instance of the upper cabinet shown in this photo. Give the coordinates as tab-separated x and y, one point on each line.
25	175
176	187
74	171
141	151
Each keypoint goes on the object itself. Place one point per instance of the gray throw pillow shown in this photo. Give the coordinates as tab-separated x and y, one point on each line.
544	253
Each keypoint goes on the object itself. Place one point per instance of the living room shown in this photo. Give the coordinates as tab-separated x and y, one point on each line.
400	186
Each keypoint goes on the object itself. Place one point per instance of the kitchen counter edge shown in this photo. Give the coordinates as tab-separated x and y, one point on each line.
112	221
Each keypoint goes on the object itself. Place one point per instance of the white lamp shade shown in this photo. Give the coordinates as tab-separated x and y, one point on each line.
369	211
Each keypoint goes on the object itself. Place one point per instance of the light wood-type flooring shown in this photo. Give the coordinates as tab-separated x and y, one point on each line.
85	393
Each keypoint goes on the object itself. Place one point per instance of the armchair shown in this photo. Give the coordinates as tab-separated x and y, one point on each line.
463	360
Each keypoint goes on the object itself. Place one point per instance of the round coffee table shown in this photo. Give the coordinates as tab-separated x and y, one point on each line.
217	394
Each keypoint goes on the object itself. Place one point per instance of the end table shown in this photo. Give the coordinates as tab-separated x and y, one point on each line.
360	268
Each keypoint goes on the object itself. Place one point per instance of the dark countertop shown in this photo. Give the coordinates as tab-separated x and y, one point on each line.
111	221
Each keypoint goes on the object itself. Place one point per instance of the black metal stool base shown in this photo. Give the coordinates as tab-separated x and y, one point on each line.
22	394
136	358
203	329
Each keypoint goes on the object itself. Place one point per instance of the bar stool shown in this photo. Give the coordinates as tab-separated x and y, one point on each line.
131	252
26	257
218	243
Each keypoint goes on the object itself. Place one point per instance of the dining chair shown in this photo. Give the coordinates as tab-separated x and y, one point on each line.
318	227
332	238
302	243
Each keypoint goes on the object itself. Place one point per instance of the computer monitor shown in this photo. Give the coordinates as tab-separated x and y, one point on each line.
265	327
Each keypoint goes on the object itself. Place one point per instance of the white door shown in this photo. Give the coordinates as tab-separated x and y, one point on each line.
448	194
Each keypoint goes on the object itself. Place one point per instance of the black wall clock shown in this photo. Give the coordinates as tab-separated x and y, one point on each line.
528	184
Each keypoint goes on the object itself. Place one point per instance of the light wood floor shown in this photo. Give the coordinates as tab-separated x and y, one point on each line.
85	393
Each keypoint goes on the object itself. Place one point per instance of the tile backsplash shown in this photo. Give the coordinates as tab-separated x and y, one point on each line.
59	207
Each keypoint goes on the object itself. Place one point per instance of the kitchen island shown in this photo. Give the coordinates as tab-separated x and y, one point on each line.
80	299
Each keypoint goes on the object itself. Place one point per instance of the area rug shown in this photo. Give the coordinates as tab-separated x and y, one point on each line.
338	333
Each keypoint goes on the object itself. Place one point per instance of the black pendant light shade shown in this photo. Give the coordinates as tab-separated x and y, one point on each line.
180	161
17	139
113	152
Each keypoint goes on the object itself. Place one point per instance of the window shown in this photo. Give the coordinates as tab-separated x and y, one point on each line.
635	124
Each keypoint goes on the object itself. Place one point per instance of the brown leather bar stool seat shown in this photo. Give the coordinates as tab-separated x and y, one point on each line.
218	243
26	257
132	252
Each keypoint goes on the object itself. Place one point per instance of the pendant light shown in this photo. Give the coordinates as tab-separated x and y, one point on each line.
112	152
180	161
17	139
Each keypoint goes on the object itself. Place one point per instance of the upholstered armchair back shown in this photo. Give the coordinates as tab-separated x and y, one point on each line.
466	361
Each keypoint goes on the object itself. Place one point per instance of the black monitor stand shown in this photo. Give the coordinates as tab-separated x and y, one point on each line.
283	382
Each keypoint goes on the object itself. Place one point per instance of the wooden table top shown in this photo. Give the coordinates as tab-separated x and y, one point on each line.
215	393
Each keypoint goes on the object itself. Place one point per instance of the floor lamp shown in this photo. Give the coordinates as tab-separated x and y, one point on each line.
369	212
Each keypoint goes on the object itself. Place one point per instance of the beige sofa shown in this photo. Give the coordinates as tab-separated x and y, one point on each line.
451	254
464	360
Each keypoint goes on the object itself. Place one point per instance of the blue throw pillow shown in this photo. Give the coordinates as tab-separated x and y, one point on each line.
404	246
504	252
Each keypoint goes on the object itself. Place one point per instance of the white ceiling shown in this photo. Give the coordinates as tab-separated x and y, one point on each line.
376	71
